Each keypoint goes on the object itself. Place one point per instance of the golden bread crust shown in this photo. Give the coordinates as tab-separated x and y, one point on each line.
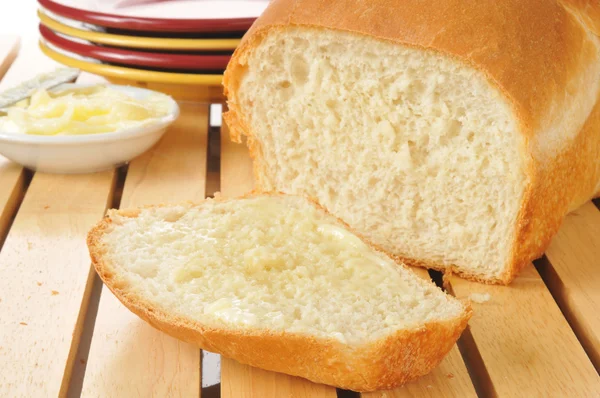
542	56
384	364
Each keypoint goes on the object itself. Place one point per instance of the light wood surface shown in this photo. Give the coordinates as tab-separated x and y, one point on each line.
243	381
450	379
573	275
527	346
43	276
129	358
239	380
44	265
236	167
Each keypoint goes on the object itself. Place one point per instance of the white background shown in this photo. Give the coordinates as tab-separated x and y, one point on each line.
18	17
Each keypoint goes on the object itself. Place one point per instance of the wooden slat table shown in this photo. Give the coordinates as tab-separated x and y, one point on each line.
63	334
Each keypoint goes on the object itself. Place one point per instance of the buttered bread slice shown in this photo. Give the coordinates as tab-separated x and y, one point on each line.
276	282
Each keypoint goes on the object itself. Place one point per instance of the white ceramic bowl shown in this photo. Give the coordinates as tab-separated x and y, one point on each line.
69	154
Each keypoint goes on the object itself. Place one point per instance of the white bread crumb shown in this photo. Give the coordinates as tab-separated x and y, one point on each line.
480	297
425	170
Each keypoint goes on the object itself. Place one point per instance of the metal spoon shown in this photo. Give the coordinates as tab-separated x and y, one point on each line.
28	88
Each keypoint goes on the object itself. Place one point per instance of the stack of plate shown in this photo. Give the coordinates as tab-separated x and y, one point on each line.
179	47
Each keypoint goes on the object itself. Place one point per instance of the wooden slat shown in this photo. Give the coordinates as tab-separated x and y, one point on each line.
573	275
236	167
449	379
242	381
44	266
527	346
128	358
239	380
44	273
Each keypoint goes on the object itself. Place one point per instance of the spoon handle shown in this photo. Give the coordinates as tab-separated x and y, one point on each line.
44	81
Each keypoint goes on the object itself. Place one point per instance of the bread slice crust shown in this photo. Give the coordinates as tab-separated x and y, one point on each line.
383	364
536	72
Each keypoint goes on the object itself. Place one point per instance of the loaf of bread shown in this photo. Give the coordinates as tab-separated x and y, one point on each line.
455	135
276	282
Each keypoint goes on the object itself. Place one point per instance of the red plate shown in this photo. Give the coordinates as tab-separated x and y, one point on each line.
137	58
161	15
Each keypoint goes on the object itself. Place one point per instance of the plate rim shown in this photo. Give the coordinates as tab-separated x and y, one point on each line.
132	73
142	58
148	23
154	43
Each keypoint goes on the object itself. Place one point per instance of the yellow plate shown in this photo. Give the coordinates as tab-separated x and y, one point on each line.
139	42
182	86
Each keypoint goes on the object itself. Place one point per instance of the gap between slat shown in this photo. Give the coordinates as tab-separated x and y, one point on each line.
475	366
213	158
347	394
210	383
468	350
437	277
556	288
84	329
8	214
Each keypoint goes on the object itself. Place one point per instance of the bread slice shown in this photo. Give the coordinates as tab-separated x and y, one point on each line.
278	283
454	136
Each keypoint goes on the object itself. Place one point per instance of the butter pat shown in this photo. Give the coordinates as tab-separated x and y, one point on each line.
343	236
230	311
88	110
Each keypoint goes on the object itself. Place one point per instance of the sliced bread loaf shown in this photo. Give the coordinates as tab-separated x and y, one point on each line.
454	136
278	283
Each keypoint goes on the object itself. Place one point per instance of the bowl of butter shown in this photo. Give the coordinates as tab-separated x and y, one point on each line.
77	128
